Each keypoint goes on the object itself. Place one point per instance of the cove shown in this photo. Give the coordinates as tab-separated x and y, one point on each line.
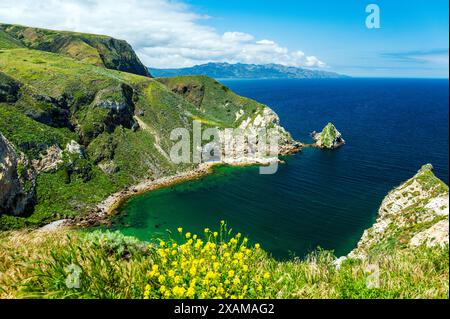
317	198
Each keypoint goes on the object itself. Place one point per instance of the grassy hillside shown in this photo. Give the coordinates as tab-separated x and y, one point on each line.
8	42
213	97
122	122
208	266
221	264
94	49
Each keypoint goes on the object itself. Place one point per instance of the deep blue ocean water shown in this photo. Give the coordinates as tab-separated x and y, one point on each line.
318	198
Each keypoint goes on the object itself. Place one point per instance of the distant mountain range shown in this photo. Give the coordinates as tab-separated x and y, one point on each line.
246	71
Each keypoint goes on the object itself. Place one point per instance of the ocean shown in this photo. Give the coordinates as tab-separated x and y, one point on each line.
318	198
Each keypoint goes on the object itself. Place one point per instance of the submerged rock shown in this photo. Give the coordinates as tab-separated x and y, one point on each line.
329	138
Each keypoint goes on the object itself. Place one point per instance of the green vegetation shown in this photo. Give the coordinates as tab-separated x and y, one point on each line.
214	264
328	135
8	42
28	134
429	182
98	50
212	97
121	120
67	91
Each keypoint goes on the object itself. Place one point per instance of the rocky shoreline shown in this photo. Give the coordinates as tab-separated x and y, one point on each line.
101	214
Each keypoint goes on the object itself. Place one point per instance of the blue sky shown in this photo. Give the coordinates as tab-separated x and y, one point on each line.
323	34
412	40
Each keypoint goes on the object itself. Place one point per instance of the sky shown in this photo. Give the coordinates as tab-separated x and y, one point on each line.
330	35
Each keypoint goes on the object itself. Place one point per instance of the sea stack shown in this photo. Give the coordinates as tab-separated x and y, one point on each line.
329	138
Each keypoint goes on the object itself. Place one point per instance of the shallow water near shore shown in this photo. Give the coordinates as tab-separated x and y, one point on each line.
317	198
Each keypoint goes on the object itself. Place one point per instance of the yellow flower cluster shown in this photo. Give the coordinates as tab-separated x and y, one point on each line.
217	266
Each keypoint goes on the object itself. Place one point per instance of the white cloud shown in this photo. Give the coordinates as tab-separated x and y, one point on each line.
164	33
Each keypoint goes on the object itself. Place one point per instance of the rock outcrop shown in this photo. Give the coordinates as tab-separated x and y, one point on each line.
49	160
268	121
415	213
329	138
17	181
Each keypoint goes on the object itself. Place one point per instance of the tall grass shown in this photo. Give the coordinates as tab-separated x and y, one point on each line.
213	265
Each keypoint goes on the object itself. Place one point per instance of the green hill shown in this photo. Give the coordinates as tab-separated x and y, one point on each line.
83	131
8	42
94	49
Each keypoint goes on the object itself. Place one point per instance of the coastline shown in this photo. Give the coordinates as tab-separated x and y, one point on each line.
103	211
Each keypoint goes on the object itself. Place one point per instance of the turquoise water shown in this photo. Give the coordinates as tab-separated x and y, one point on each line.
317	198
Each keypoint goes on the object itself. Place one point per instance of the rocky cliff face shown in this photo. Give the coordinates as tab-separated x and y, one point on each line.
329	138
17	180
94	49
415	213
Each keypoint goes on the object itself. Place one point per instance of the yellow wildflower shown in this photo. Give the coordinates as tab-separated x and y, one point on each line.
190	292
178	291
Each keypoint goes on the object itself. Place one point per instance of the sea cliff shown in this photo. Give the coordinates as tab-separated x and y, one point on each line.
412	214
